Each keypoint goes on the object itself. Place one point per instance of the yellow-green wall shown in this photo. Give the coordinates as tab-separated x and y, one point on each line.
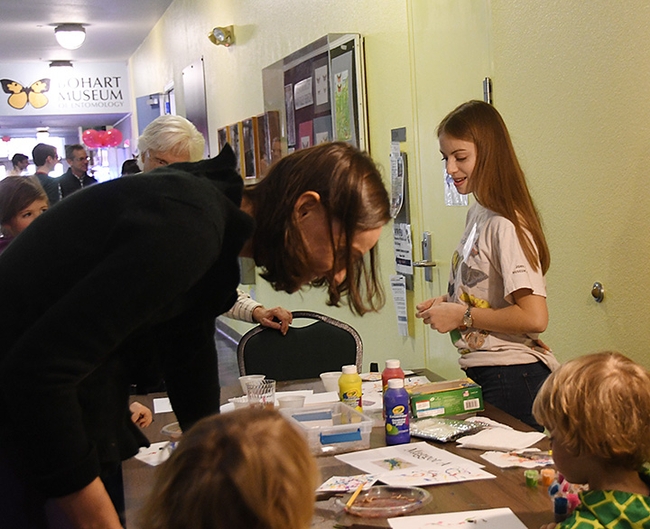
266	31
569	78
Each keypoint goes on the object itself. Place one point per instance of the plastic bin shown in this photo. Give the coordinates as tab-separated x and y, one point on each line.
332	429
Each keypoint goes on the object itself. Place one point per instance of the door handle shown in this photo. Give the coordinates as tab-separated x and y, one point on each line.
427	262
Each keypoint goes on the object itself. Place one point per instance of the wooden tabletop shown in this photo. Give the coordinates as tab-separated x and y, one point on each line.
531	505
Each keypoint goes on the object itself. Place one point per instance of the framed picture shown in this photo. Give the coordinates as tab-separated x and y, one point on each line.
248	149
233	139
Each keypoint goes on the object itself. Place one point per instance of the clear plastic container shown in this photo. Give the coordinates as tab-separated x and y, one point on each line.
332	429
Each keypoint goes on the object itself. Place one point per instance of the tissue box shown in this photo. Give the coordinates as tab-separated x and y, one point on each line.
449	397
332	429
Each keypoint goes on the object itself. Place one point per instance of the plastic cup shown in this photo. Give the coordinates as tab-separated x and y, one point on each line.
532	477
244	379
261	393
548	476
291	401
331	380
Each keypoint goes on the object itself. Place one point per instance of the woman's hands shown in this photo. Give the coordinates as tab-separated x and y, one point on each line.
441	315
528	314
276	318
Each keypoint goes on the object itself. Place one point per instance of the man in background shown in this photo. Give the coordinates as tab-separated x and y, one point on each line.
76	177
45	159
20	163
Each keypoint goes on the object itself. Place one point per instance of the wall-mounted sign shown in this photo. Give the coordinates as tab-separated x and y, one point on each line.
36	89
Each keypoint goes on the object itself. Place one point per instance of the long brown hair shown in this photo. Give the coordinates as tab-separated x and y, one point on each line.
352	192
247	469
497	181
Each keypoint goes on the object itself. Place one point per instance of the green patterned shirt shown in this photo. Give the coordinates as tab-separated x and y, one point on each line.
611	509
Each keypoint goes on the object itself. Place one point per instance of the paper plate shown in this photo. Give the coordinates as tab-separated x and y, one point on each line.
385	501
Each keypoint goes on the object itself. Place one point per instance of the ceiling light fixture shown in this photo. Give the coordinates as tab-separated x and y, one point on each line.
60	64
222	36
70	36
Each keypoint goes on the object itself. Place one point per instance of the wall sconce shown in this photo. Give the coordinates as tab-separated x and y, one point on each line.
60	64
224	36
70	36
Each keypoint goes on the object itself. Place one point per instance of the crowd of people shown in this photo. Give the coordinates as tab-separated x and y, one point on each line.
140	281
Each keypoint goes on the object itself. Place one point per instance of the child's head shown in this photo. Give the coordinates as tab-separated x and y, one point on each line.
245	469
598	406
22	199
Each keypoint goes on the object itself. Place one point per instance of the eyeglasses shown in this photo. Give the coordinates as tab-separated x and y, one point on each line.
159	162
84	159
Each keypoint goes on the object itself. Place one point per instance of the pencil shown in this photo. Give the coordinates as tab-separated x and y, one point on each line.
354	496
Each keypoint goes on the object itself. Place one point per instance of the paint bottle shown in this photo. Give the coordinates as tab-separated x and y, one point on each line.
350	387
392	370
396	411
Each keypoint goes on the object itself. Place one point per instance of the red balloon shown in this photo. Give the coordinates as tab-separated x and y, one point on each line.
91	138
113	137
103	138
6	138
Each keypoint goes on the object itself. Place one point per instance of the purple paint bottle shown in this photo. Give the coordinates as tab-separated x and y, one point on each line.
396	409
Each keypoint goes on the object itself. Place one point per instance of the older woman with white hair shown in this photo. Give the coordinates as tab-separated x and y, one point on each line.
169	139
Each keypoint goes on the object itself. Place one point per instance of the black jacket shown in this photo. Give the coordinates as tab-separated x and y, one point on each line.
86	304
69	183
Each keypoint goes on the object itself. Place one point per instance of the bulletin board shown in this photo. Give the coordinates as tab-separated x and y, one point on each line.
319	93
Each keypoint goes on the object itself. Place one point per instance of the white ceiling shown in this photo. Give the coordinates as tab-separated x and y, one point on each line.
114	30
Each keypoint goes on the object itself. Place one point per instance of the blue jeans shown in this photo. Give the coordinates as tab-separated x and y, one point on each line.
512	388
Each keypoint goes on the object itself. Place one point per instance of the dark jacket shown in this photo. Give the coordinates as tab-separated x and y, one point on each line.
69	183
86	304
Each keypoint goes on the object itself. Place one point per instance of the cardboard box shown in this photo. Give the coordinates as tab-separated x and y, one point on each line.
449	397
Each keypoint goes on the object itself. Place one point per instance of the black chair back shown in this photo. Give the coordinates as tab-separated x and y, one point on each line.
304	352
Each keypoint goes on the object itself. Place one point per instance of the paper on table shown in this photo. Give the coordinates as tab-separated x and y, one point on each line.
510	459
502	518
162	405
415	464
500	439
347	483
154	455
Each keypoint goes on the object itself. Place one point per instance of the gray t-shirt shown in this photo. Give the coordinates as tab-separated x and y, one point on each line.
488	266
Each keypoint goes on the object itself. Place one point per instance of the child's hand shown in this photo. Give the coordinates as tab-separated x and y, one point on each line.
140	414
548	526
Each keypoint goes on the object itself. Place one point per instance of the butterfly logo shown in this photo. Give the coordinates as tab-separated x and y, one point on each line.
20	95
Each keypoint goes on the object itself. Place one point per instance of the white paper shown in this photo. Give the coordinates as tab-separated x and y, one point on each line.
157	453
162	405
511	459
302	94
500	439
398	288
403	246
415	464
322	83
396	179
502	518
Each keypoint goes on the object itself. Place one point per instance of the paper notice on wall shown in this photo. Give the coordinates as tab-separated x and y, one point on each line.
403	246
398	287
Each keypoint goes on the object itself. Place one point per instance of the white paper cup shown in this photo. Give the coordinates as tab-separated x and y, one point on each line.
291	401
249	378
331	380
